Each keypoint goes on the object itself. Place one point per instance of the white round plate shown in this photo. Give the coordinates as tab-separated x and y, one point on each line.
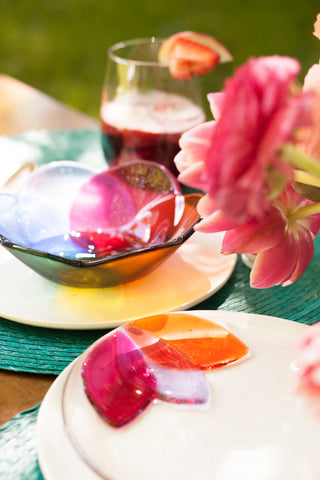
193	273
256	427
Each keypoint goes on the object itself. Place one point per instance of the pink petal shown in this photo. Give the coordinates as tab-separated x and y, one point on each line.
214	220
206	206
305	251
190	161
198	139
193	174
216	103
283	263
271	267
254	236
292	114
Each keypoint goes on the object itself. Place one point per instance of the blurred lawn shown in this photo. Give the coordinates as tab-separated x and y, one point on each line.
59	46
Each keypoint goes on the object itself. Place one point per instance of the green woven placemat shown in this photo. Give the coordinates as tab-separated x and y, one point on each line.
18	450
40	350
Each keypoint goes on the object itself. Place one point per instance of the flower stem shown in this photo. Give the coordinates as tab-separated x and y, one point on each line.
303	212
300	160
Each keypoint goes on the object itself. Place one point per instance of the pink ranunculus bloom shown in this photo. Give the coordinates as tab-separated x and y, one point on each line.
255	115
283	247
308	363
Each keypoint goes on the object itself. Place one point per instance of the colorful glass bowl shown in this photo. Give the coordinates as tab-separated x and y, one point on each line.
83	228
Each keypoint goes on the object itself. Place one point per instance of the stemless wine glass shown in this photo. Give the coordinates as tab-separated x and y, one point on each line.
144	110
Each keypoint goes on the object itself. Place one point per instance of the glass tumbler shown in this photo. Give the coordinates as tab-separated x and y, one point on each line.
144	110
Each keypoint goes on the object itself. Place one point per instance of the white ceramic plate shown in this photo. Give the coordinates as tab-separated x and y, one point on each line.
256	428
190	275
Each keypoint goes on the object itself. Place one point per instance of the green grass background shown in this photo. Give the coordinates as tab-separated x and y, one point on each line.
59	46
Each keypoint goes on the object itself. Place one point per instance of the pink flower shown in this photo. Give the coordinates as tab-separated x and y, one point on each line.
283	246
235	160
308	362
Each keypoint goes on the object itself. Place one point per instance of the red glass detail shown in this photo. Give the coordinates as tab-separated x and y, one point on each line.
117	380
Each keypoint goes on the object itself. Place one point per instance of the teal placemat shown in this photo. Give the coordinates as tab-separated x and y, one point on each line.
41	350
18	450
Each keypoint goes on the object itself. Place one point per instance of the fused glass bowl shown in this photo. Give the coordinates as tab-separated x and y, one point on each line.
83	228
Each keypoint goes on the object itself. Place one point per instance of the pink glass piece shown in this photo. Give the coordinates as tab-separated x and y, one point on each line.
125	370
117	380
102	202
106	206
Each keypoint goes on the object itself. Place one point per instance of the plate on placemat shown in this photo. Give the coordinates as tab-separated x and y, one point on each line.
255	427
192	274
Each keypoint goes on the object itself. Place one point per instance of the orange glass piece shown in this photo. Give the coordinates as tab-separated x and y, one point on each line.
206	344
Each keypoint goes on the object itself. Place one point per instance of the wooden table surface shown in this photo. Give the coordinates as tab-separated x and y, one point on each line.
24	108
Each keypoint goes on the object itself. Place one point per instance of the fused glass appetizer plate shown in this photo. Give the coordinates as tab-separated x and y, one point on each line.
253	425
83	228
